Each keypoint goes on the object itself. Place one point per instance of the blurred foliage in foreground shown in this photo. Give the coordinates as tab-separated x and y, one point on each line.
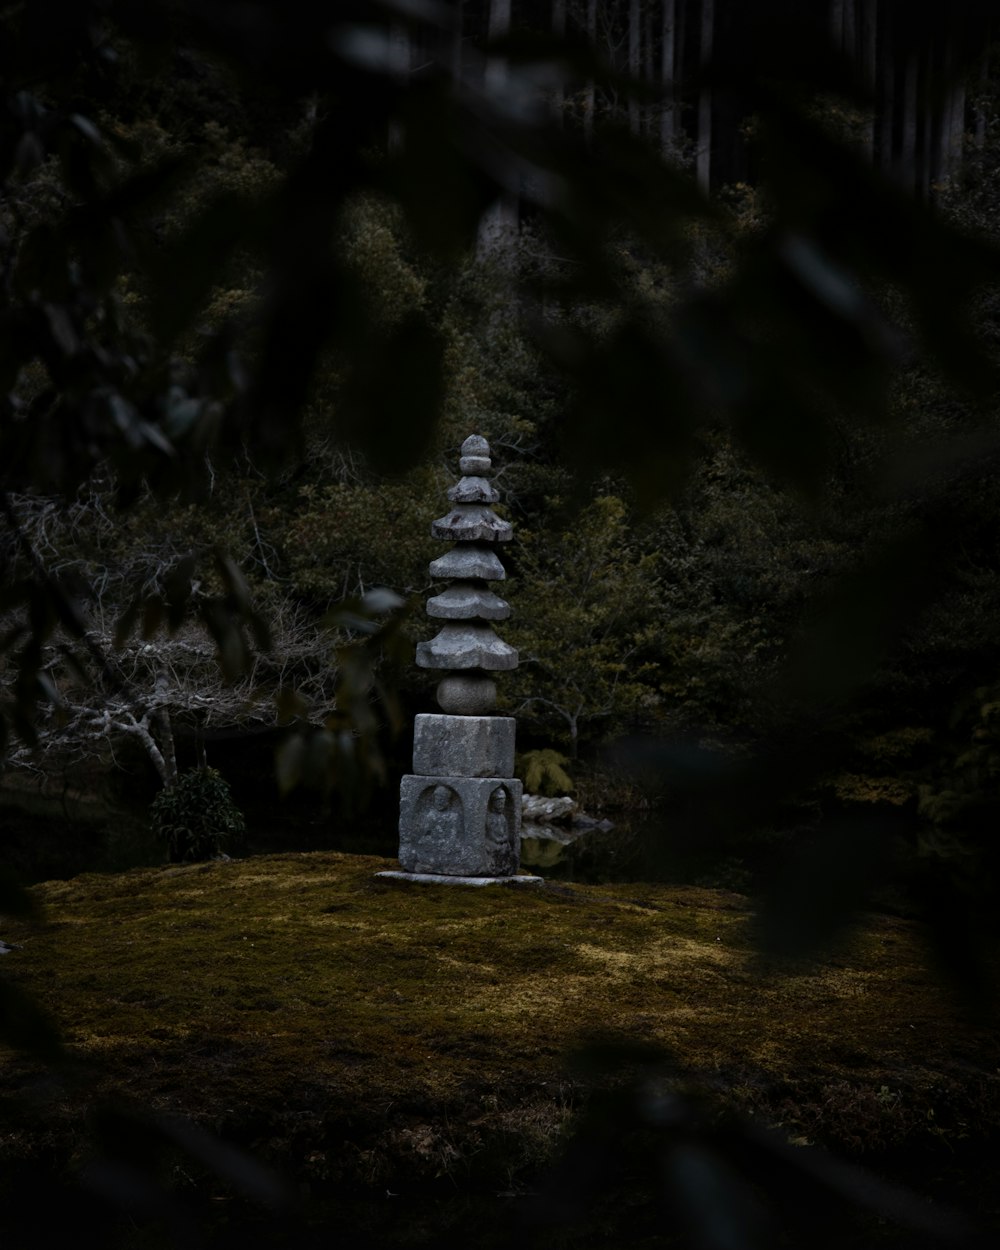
750	440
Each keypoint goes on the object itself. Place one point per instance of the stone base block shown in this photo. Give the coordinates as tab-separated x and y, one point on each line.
463	746
460	826
439	878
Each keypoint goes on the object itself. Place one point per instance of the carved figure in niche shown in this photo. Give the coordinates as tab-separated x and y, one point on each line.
444	816
438	828
500	834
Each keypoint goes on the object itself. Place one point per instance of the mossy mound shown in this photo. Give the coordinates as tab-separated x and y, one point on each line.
353	1029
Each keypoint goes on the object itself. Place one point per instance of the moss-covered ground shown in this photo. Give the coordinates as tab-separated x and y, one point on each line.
356	1031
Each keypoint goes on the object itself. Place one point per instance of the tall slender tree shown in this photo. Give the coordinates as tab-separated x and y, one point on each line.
559	31
590	91
907	164
668	55
457	33
499	223
869	65
850	27
400	56
634	62
703	163
837	22
951	129
886	95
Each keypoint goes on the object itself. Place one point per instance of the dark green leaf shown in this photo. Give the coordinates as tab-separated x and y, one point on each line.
177	590
823	887
250	1177
15	900
291	706
289	762
153	611
391	413
234	582
27	1027
721	1210
187	268
128	621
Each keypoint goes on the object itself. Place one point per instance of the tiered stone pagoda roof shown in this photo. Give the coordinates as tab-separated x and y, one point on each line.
466	641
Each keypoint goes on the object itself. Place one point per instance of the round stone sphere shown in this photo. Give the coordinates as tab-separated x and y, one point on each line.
467	696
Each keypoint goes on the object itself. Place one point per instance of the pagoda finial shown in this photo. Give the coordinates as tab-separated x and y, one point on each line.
475	456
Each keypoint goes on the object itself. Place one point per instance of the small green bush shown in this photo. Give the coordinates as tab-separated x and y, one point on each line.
544	772
197	817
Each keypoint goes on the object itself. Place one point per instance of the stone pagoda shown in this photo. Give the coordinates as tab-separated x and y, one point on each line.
460	809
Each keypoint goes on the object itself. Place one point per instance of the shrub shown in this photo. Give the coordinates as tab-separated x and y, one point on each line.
197	817
545	772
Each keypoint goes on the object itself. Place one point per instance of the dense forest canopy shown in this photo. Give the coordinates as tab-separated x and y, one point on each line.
717	282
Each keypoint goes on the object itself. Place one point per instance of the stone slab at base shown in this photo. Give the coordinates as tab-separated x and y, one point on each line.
437	878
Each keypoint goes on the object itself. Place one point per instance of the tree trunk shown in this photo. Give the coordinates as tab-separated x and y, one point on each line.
498	227
957	129
869	67
167	746
887	93
399	55
498	27
634	63
589	98
837	23
952	130
850	44
559	31
703	161
979	124
938	120
908	143
668	116
456	44
648	75
163	757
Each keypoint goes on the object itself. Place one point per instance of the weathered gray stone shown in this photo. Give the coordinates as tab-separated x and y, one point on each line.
460	809
437	878
468	561
473	490
461	695
475	457
464	601
460	826
475	445
472	522
538	808
463	746
467	645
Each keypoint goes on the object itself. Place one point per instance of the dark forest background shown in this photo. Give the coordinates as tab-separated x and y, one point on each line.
718	283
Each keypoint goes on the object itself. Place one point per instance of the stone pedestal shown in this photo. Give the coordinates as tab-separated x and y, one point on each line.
463	746
460	826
